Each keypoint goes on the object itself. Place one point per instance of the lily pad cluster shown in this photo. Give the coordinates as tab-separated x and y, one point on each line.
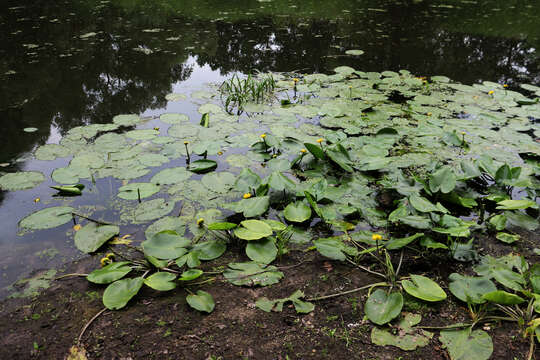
423	163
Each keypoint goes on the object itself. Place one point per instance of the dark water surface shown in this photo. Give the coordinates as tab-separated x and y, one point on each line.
70	63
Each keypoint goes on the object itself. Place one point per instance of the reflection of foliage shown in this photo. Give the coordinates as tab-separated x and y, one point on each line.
72	81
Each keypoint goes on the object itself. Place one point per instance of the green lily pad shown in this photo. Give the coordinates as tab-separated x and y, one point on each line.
110	273
166	244
161	281
467	345
252	230
136	191
66	175
263	251
297	212
202	166
117	294
152	209
381	307
48	218
51	152
92	236
408	338
21	180
354	52
190	274
142	134
126	119
166	223
470	289
202	301
171	176
423	288
175	97
219	182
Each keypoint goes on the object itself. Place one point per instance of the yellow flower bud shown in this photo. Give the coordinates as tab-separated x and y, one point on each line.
104	261
429	114
296	80
220	153
320	140
77	227
505	85
186	142
491	92
376	237
303	151
263	136
110	255
36	200
247	196
200	221
156	128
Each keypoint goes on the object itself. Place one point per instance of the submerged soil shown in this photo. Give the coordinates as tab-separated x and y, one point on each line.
162	326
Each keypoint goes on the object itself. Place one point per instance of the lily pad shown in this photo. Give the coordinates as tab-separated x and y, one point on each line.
253	230
162	281
136	191
166	244
117	294
21	180
467	345
297	212
263	251
152	209
51	152
201	301
48	218
110	273
423	288
92	236
171	176
202	166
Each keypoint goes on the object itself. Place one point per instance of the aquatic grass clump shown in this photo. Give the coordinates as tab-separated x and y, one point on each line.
236	92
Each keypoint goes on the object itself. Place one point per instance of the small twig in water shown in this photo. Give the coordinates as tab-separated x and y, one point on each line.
90	219
346	292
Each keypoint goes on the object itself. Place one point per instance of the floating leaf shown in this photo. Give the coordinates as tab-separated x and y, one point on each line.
443	180
117	294
51	152
297	212
202	301
334	248
109	273
209	250
166	244
92	236
171	176
382	307
222	226
136	191
516	204
190	274
202	166
252	230
467	345
48	218
152	209
220	182
423	288
507	238
162	281
21	180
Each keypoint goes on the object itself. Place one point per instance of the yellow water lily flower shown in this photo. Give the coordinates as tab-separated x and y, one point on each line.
36	200
246	196
320	140
220	153
376	237
505	85
200	221
186	142
263	136
110	255
296	80
105	261
491	92
303	151
77	227
156	128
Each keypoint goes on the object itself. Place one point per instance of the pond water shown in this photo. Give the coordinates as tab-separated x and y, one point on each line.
70	63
